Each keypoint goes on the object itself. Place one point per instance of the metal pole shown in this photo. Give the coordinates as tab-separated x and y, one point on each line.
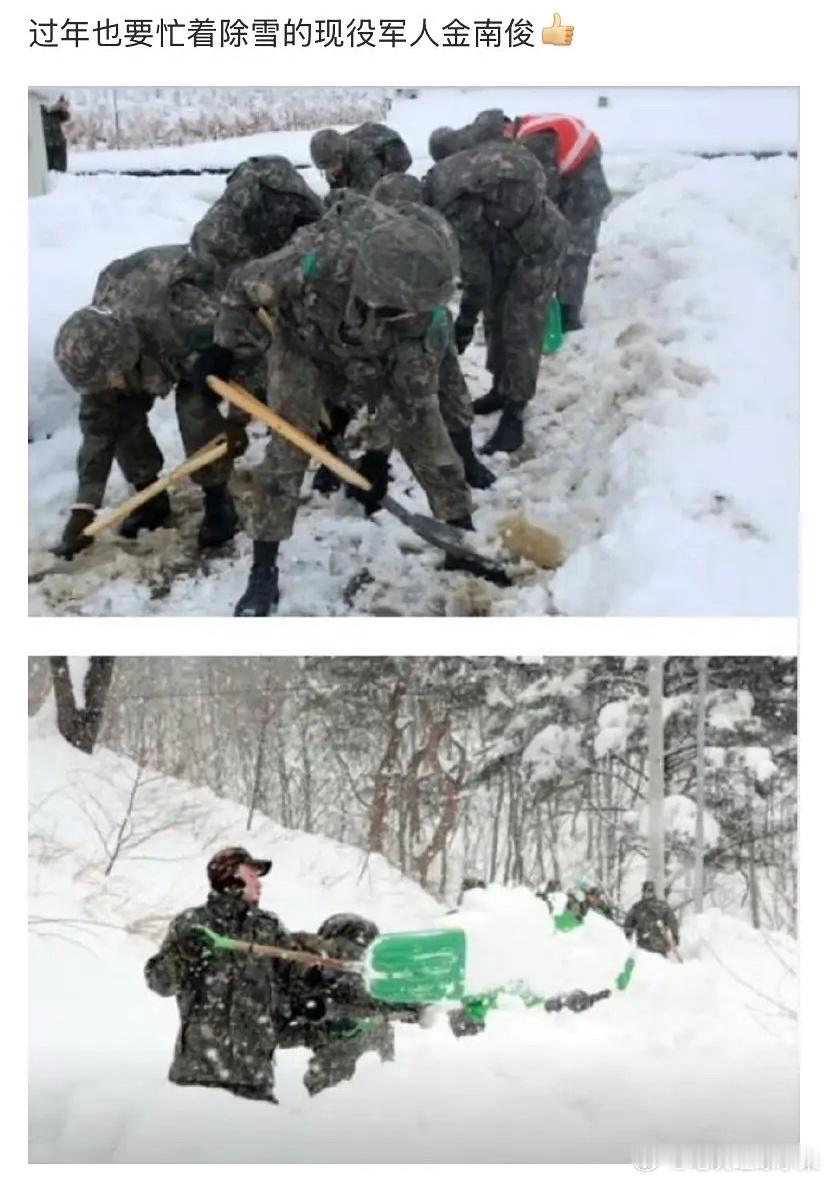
655	852
701	709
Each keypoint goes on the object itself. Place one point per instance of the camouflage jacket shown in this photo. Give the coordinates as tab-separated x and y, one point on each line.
373	151
306	289
168	297
650	922
264	203
53	120
231	1005
579	195
494	195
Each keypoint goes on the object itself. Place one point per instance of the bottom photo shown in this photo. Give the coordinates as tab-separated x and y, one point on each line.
411	910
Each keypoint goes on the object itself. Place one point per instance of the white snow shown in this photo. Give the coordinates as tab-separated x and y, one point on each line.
730	709
700	1052
662	444
680	820
551	749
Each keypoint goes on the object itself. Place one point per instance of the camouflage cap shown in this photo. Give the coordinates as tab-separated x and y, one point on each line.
355	928
406	263
442	142
92	345
398	188
328	148
221	871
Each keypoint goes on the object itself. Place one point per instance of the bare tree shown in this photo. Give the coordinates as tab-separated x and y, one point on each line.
81	723
701	712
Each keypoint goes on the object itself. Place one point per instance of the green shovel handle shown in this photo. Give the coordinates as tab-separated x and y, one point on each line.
217	942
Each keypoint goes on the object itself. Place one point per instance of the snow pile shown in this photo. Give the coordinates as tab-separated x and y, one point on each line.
680	821
661	446
707	1050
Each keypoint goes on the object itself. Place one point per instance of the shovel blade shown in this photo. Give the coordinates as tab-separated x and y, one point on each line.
451	540
418	967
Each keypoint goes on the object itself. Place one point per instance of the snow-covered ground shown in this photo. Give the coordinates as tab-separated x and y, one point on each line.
700	1052
661	446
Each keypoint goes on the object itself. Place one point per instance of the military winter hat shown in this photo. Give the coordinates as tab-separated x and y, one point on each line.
648	887
93	344
221	870
398	188
327	148
441	143
404	263
489	124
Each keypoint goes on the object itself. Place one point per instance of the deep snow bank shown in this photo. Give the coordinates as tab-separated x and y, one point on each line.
700	1052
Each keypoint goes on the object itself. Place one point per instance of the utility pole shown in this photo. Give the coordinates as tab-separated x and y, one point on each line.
701	712
655	847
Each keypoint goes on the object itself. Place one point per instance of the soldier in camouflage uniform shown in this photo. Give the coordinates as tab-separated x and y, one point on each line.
360	157
582	194
487	125
357	303
511	242
264	203
653	922
401	191
150	315
339	1020
231	1005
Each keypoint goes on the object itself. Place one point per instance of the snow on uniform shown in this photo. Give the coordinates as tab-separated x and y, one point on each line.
231	1005
511	242
649	920
570	155
153	310
353	1023
330	345
264	203
360	157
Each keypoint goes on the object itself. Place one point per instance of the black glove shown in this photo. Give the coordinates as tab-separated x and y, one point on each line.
312	1009
374	466
214	361
73	541
192	946
237	440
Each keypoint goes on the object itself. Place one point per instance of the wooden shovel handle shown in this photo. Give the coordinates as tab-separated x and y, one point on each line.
232	392
207	454
306	957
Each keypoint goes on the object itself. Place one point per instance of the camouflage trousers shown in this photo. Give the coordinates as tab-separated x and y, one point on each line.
336	1060
298	389
515	302
453	397
116	428
575	268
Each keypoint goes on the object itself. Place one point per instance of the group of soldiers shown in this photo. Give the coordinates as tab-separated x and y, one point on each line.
650	920
237	1007
324	307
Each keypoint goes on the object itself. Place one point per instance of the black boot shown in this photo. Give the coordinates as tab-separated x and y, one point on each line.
325	482
490	403
570	318
477	476
509	434
152	515
220	517
263	584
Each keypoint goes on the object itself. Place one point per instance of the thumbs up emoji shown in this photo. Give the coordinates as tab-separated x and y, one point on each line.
556	33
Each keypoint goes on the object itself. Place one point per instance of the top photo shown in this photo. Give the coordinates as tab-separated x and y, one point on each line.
413	351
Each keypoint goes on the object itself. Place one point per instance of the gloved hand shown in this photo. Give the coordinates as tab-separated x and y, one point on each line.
73	541
214	361
237	440
375	467
192	946
312	1009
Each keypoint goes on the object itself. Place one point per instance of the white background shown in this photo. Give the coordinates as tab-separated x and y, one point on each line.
638	42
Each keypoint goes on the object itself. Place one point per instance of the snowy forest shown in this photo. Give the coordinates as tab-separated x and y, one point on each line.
511	770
